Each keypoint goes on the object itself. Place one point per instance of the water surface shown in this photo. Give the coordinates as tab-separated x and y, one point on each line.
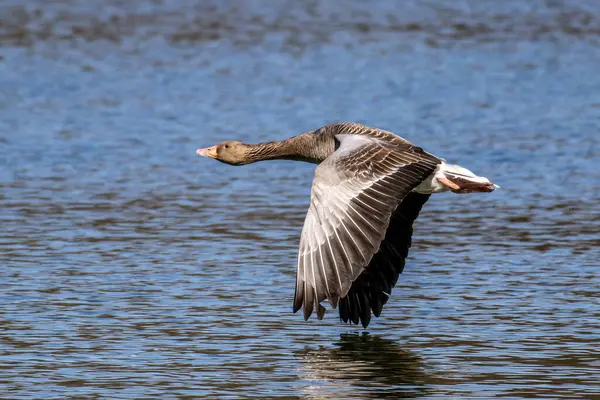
132	268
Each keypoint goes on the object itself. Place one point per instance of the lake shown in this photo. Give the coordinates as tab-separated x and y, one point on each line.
132	268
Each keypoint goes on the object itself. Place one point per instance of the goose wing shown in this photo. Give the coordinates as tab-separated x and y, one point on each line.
373	288
353	195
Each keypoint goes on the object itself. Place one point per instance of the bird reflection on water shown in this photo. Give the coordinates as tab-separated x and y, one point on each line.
379	366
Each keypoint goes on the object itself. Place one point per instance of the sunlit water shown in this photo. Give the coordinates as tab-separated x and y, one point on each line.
132	268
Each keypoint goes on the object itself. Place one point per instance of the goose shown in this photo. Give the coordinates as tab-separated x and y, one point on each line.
368	189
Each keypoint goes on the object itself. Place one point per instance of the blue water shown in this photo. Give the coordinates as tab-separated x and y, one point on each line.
132	268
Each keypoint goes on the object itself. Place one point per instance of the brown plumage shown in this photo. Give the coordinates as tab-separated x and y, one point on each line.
369	187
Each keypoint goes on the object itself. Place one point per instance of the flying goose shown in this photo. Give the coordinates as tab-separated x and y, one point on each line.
368	189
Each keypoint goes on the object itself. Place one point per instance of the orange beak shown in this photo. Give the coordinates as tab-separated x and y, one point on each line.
208	152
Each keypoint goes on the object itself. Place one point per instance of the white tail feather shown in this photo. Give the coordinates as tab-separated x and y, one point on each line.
445	171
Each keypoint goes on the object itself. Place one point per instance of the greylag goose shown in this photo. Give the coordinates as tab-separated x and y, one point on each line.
368	189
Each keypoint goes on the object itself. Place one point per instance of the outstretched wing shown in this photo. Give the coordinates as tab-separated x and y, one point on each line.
353	195
374	286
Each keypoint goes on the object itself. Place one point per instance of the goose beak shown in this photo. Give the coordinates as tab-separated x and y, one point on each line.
208	152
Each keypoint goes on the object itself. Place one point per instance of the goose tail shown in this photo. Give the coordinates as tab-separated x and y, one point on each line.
460	180
455	178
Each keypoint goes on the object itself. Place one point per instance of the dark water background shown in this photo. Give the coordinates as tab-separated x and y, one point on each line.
131	268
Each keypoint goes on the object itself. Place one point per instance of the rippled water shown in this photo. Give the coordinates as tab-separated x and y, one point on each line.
132	268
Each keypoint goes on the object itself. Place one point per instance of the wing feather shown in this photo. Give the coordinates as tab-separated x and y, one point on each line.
354	194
